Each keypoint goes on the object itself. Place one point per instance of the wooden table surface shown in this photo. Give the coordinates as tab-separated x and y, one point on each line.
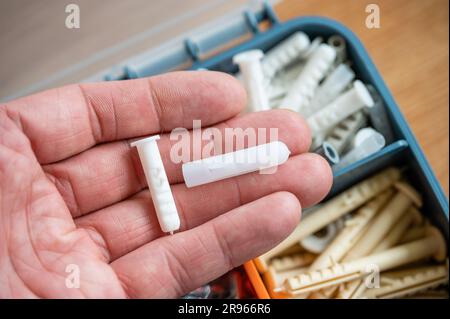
410	49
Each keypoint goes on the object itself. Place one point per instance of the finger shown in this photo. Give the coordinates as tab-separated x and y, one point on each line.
112	172
174	265
65	121
122	228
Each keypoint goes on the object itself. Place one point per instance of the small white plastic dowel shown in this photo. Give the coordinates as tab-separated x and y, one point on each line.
302	90
331	87
346	104
366	147
363	134
232	164
253	77
284	53
158	183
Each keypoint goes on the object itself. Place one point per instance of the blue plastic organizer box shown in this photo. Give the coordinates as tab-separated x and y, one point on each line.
404	151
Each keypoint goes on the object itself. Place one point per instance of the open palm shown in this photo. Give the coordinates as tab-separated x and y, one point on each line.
73	194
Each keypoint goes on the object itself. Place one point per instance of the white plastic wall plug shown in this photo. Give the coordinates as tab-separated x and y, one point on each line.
379	117
303	88
215	168
284	54
158	183
332	86
365	145
252	75
315	44
346	104
342	135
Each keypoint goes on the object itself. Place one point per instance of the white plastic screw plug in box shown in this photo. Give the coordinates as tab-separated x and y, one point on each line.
302	90
331	87
367	143
285	53
346	104
252	74
158	183
252	159
364	134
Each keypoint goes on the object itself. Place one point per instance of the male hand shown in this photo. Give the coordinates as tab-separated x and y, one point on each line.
73	193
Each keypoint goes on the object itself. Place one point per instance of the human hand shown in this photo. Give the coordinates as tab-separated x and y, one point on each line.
72	191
